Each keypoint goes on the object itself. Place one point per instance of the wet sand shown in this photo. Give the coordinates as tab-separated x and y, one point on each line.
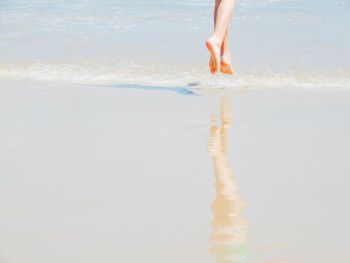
142	174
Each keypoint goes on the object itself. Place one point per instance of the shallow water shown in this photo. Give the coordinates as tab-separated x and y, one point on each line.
274	43
85	177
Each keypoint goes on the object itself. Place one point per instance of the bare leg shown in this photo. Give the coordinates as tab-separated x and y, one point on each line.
225	64
223	18
214	60
217	44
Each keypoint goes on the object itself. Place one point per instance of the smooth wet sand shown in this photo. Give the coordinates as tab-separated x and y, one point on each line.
103	174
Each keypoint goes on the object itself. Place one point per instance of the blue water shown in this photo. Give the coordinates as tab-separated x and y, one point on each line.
274	43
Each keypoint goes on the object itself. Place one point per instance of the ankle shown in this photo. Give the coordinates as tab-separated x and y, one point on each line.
215	40
225	53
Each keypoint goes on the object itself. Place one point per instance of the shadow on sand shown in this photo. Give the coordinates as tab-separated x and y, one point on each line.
183	90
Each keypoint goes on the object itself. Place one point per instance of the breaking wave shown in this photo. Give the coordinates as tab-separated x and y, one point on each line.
104	72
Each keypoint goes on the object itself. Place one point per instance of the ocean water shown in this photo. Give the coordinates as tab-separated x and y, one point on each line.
275	43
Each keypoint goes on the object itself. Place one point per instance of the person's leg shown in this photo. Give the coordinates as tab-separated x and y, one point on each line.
223	18
225	47
225	52
225	64
217	44
213	63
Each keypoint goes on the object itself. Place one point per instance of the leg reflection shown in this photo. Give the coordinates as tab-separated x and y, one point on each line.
229	229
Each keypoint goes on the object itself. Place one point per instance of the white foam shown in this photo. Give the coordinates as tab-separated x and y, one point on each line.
104	72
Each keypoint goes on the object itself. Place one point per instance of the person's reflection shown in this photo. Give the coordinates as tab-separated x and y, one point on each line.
229	229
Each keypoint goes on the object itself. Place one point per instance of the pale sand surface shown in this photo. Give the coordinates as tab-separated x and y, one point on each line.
104	174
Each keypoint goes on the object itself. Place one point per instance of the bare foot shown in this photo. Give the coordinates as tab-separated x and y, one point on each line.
214	49
225	64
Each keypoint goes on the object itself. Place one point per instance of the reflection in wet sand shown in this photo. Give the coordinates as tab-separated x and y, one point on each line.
229	229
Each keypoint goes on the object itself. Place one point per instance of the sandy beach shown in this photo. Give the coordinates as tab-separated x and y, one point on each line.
93	173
